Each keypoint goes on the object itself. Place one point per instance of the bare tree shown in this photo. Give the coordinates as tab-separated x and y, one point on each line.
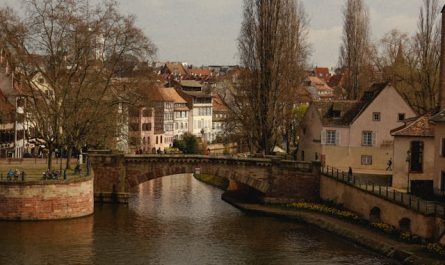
273	52
355	49
426	49
412	64
66	55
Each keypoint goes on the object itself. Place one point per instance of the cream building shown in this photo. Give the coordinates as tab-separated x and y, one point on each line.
354	134
414	149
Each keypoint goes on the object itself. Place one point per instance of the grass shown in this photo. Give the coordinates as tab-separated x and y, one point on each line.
218	182
34	168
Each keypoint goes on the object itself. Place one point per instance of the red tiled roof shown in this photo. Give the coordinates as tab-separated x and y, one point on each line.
199	72
419	127
165	94
218	105
176	68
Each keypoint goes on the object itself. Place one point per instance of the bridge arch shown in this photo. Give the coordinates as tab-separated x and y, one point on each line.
286	180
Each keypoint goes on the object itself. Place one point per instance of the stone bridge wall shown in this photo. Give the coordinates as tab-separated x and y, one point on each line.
277	180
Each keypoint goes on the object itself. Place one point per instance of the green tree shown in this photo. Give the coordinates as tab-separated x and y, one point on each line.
188	145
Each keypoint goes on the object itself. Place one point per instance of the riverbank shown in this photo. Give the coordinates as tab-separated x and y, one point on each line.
218	182
402	252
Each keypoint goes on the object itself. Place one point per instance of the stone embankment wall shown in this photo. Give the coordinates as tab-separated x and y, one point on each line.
32	201
362	202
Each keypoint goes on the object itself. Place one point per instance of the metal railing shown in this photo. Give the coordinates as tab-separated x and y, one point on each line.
23	176
387	192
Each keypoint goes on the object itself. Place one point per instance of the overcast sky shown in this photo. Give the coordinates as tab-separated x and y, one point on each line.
205	31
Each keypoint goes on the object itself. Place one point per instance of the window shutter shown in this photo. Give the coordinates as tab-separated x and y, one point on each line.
374	138
337	137
323	137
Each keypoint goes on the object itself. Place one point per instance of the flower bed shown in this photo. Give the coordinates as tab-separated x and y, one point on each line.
436	249
342	214
349	216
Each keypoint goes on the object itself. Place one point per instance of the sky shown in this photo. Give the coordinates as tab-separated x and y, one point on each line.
205	32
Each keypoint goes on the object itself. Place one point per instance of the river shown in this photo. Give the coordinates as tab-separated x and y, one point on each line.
175	220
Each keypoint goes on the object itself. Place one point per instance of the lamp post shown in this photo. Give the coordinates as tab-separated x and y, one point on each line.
408	161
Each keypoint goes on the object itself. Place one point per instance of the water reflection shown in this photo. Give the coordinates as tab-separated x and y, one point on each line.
174	220
47	242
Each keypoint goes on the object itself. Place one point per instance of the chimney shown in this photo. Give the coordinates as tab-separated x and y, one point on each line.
442	65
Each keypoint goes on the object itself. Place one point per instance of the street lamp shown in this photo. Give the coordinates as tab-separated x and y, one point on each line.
408	161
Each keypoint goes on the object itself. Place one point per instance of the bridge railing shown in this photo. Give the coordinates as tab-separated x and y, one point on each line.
291	164
387	192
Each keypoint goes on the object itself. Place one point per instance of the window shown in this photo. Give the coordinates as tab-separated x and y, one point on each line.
376	116
443	147
336	114
367	138
331	137
161	139
401	117
156	140
146	127
416	159
366	160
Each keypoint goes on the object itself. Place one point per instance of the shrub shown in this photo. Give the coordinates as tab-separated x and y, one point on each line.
188	145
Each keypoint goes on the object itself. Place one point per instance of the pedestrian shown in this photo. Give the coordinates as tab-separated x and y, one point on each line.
350	172
16	174
10	174
389	168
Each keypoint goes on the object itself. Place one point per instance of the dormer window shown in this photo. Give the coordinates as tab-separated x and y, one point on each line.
401	116
336	114
376	116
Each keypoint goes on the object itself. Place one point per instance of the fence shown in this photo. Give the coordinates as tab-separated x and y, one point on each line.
388	193
34	170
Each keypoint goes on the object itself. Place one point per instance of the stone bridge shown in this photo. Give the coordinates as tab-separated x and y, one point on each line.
275	180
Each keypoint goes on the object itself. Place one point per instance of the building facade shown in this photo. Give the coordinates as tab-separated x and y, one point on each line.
354	134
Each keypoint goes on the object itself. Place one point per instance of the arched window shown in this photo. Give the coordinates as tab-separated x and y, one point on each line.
374	215
405	225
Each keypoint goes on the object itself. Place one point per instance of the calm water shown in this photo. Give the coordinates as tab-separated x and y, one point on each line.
174	220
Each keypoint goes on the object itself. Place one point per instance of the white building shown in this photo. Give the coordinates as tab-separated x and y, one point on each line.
200	102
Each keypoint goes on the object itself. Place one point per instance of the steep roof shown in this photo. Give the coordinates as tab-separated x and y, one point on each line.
319	83
335	113
345	112
176	68
324	71
336	80
199	72
218	105
165	94
418	127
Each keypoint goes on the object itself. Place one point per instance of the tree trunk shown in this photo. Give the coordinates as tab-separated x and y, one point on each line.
50	156
68	158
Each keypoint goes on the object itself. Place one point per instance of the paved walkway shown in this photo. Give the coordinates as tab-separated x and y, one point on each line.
403	252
